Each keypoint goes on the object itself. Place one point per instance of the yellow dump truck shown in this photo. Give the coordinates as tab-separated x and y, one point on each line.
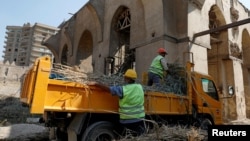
77	111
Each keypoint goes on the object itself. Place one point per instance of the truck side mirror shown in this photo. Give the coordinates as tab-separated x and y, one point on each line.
231	90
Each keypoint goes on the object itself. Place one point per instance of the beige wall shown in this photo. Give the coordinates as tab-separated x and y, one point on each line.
225	72
155	24
11	77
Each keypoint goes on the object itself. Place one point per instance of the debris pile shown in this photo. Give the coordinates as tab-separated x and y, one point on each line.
13	121
12	111
176	133
174	81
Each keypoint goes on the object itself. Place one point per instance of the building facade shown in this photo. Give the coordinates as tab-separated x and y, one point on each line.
13	34
23	43
110	36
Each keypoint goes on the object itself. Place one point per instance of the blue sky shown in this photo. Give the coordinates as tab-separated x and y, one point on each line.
49	12
246	3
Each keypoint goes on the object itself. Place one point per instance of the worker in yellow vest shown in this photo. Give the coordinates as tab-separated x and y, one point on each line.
157	68
131	102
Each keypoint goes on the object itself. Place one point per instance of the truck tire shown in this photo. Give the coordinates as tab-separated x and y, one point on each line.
99	131
205	123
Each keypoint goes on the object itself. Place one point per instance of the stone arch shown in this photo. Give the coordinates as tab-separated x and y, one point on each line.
64	57
88	31
84	52
54	52
97	22
120	56
246	68
218	42
49	42
67	40
220	66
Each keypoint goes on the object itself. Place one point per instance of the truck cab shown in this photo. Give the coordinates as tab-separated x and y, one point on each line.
205	99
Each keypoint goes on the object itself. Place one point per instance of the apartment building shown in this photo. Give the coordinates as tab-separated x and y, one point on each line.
23	43
13	35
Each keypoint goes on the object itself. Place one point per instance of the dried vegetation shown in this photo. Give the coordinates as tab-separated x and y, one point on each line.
170	133
174	82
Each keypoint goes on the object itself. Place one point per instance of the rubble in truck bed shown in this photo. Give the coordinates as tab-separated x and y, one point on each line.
174	82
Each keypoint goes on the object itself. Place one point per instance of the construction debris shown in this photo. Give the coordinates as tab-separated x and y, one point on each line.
174	82
170	133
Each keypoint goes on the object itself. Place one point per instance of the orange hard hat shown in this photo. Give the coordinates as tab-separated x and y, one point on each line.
162	50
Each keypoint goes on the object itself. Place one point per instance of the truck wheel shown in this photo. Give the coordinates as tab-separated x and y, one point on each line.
99	131
205	123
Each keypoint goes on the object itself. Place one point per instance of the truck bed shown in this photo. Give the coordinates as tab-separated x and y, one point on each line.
44	94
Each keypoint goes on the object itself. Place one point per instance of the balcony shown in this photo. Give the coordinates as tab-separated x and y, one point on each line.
38	45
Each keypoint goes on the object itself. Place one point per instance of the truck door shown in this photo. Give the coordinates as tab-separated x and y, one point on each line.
211	102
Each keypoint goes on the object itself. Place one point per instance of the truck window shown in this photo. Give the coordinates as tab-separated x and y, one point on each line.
209	88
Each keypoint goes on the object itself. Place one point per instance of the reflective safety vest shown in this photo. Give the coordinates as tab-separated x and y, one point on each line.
131	106
156	66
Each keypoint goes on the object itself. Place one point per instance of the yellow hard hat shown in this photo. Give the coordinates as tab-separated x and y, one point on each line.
130	73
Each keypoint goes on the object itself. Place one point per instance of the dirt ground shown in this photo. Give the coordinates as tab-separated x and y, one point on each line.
14	125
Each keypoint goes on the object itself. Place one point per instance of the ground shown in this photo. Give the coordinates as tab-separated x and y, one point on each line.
16	123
